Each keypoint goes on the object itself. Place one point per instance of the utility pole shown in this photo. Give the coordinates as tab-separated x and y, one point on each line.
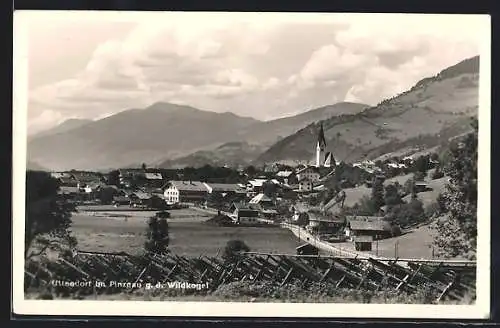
377	248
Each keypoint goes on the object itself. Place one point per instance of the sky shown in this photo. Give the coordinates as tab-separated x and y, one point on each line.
91	65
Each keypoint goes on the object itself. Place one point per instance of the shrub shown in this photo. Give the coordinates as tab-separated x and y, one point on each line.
157	238
433	210
233	249
438	174
163	215
419	176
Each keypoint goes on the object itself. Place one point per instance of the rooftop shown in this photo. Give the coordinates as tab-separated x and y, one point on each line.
153	176
189	185
363	239
260	198
371	225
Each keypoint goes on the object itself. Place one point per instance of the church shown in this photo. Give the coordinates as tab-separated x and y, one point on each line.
323	158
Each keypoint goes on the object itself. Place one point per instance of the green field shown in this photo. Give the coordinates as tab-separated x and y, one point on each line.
415	244
189	235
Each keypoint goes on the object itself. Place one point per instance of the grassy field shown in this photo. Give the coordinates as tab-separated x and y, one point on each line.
415	244
353	195
189	235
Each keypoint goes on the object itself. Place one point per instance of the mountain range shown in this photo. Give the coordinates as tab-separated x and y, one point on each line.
169	135
163	132
429	114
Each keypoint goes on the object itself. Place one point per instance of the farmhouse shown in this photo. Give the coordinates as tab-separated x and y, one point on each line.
363	243
305	185
286	177
255	185
69	192
262	200
373	226
243	214
325	224
222	188
88	178
68	180
153	179
121	200
311	173
185	192
140	198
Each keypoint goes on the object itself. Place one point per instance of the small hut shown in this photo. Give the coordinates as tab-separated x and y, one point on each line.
307	249
363	243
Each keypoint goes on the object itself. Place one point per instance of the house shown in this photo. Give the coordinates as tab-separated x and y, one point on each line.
86	178
307	249
185	192
121	200
305	185
262	200
363	243
373	226
153	179
223	188
331	224
271	168
286	177
243	214
90	190
66	179
255	186
69	192
139	198
421	186
311	173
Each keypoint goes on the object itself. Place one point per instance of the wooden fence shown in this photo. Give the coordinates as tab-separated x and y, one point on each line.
448	281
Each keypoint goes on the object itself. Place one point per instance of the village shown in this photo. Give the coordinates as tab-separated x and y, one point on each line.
320	200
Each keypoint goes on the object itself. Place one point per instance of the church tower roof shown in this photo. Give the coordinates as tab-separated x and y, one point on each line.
321	137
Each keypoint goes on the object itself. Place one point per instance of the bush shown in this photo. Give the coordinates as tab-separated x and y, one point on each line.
437	174
406	214
433	210
409	187
233	249
365	206
157	238
163	215
419	176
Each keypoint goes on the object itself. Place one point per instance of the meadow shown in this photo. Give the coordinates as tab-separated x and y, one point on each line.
189	234
415	244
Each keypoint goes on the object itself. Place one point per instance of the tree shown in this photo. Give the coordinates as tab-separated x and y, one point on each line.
157	203
419	176
114	178
456	233
157	238
144	167
106	195
392	196
233	250
409	188
422	164
438	173
302	220
378	194
251	171
269	189
48	216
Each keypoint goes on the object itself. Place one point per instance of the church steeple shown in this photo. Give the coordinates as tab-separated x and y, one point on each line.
321	138
320	147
